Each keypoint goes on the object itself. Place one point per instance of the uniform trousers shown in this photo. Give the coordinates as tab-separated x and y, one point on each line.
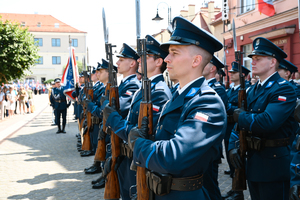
62	113
269	190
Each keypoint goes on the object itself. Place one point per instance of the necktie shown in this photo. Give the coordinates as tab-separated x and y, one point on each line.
257	88
175	96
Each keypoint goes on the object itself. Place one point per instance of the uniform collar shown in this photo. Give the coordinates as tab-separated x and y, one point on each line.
262	83
153	77
127	77
181	90
236	86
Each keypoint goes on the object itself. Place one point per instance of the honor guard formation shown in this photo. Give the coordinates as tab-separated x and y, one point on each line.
154	140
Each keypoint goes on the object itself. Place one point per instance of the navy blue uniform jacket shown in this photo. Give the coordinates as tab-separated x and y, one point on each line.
269	116
187	139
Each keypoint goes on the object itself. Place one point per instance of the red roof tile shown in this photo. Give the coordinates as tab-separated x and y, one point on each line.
47	23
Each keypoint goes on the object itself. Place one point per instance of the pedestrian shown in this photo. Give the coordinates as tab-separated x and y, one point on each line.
269	123
2	103
11	97
22	98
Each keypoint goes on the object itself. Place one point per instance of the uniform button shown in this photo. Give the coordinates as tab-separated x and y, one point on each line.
138	163
174	131
137	112
161	127
274	156
251	110
258	109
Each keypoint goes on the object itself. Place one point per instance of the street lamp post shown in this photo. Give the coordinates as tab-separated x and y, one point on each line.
158	18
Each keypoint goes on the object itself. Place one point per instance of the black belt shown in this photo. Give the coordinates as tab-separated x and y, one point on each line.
230	119
126	151
60	101
162	184
258	144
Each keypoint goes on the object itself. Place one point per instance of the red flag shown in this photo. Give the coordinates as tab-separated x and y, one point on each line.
266	7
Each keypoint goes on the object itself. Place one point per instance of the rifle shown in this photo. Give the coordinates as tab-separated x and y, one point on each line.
239	179
88	89
226	68
112	187
101	147
146	110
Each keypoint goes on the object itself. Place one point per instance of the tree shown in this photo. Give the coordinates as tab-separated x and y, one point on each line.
17	51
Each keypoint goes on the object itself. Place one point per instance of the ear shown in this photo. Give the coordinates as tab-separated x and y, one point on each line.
159	62
197	60
132	64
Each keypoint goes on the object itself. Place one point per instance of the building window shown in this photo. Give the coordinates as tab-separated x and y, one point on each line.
55	42
247	5
247	49
39	24
76	57
23	24
74	43
39	61
38	42
55	60
56	25
43	79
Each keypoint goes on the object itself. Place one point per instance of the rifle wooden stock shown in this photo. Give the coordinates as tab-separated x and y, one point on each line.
86	145
143	192
112	187
101	148
239	179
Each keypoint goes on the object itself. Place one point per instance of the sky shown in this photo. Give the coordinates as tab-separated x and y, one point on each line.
120	18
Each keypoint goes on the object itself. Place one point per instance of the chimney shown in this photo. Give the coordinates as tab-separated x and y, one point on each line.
184	14
211	11
191	12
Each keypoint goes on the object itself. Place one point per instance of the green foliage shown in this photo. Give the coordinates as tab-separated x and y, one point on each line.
48	81
79	66
17	51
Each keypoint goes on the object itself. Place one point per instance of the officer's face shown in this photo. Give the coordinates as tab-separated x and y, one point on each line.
151	63
234	76
179	60
103	77
262	65
81	80
94	77
207	69
283	73
124	64
57	84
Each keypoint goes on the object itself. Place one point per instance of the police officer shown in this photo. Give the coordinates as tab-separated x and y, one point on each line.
190	128
231	106
219	77
59	100
295	161
286	70
210	181
98	91
160	94
269	122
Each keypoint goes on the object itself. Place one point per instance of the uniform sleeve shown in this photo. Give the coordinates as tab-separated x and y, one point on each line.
122	127
234	139
200	129
126	97
230	108
282	101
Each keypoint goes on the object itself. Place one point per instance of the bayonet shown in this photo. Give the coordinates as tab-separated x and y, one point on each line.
104	26
234	35
138	19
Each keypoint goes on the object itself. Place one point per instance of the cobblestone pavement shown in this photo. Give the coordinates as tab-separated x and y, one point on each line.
37	163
